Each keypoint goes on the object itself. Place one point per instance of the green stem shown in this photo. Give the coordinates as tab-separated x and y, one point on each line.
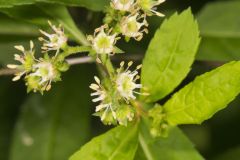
108	65
74	50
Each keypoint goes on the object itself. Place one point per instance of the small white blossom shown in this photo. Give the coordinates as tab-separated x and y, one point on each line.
149	6
26	60
102	42
55	41
123	5
126	81
131	27
104	105
45	72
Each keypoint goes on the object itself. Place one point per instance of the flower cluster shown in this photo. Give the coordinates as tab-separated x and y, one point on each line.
117	92
126	18
115	100
40	73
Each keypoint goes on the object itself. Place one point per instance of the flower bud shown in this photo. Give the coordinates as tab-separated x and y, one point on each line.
159	125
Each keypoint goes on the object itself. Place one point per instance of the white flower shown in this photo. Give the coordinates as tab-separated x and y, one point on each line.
102	42
130	26
55	41
46	73
105	105
149	6
26	60
123	5
126	81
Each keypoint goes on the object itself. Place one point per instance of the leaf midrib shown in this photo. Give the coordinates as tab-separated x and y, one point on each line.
145	147
172	53
129	136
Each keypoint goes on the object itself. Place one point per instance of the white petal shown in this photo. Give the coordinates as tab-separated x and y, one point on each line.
12	66
20	48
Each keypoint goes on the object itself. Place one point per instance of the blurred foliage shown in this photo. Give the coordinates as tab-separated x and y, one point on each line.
47	135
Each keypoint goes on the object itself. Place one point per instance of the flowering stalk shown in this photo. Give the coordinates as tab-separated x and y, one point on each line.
117	91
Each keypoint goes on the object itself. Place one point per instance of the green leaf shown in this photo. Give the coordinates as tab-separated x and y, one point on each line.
175	147
205	96
117	144
41	13
170	55
90	4
53	126
220	29
37	16
12	27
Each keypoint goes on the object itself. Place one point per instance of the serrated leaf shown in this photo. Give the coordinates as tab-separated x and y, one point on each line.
205	96
175	147
53	126
117	144
220	41
170	55
90	4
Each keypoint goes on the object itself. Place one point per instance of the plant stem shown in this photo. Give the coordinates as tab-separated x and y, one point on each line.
74	50
106	62
81	60
7	71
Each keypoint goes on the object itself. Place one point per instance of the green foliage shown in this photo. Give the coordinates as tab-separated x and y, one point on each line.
53	126
41	13
8	27
206	95
117	144
90	4
176	147
220	29
170	55
36	17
